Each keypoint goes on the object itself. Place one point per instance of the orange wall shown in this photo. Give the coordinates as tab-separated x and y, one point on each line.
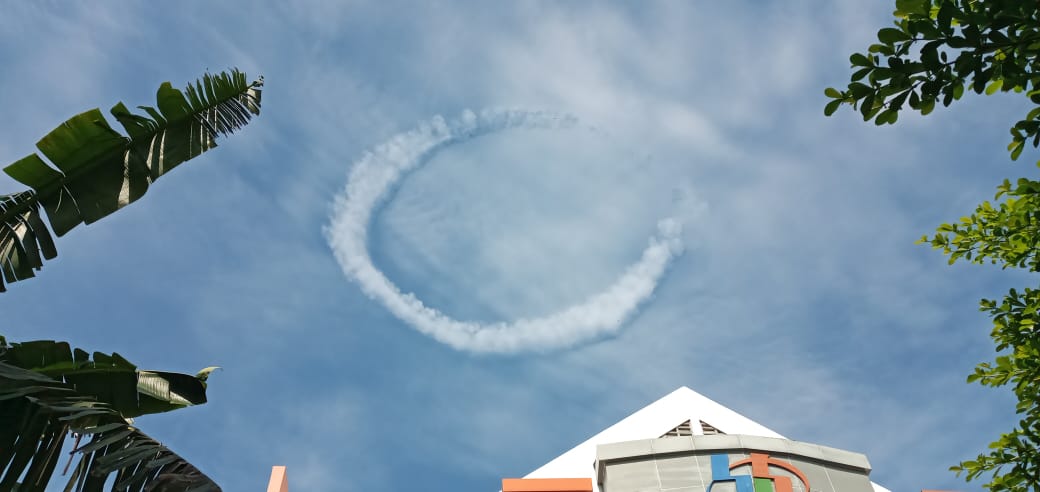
547	485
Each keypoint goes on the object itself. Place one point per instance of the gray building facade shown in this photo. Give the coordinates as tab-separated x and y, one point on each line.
728	463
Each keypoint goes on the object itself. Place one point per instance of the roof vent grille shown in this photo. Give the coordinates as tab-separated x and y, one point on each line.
682	429
709	430
686	429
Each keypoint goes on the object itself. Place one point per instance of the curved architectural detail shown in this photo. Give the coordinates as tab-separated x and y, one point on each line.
720	463
760	463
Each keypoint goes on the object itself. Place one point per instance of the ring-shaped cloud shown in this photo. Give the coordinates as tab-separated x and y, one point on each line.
371	180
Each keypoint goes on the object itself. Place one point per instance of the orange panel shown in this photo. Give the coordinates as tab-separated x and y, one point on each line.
546	485
279	482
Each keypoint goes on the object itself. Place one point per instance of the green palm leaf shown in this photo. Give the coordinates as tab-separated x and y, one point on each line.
96	170
40	405
23	237
110	379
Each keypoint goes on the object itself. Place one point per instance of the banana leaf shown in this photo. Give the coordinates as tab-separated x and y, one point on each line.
109	378
39	413
94	170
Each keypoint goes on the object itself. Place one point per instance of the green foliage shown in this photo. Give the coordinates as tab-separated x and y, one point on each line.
109	378
936	50
48	390
1006	234
939	48
94	170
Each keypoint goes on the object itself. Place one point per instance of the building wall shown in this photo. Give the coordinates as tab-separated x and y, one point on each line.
685	464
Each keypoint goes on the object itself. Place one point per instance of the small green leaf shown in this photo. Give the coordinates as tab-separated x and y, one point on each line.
994	86
912	6
859	90
890	35
860	60
859	74
1017	151
944	16
832	92
831	107
927	106
867	108
888	116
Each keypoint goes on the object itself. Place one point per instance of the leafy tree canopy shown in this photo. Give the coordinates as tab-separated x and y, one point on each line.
937	50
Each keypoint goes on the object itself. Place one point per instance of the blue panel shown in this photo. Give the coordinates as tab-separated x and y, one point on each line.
720	473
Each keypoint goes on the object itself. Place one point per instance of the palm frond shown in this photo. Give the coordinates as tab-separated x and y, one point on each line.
96	170
39	413
24	239
139	462
109	378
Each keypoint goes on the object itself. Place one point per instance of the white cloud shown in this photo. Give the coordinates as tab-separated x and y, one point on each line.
380	169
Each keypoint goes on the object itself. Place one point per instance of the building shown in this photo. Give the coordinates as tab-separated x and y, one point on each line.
686	442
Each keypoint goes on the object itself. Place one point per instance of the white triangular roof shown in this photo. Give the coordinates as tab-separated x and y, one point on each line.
652	422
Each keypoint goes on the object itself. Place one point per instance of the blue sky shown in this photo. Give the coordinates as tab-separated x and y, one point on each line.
799	298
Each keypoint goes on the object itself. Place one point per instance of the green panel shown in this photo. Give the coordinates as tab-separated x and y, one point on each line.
763	485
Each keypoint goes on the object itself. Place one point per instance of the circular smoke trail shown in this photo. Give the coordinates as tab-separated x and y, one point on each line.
375	173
